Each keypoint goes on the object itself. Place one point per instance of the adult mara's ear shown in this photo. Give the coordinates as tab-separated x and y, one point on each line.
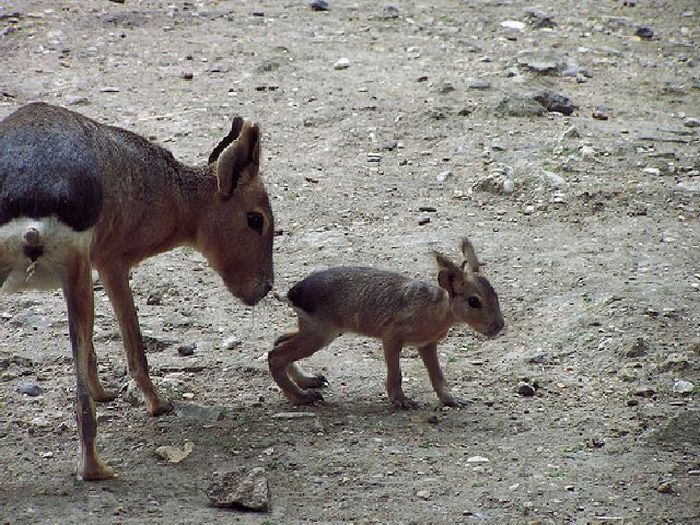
471	262
236	127
240	161
450	276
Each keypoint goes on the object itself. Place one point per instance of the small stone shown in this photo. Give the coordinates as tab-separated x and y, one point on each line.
539	19
27	388
644	32
694	472
508	186
231	342
423	221
427	209
571	133
154	299
319	5
446	87
665	488
77	101
520	106
683	387
555	102
600	114
198	412
477	459
645	392
153	343
173	454
241	490
649	170
110	89
294	415
513	25
390	12
342	63
526	390
187	74
691	122
187	350
632	402
542	62
638	348
478	84
423	494
575	71
443	176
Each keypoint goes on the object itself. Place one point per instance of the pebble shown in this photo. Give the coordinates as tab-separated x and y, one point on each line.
543	62
513	24
239	489
187	74
638	348
342	63
600	114
526	390
390	12
575	71
571	133
683	387
520	106
645	392
691	122
644	32
187	350
539	19
423	494
477	459
27	388
173	454
478	84
654	172
443	176
319	5
508	186
231	343
423	221
665	488
555	102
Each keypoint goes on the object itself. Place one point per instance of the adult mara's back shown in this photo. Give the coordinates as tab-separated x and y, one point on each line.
77	194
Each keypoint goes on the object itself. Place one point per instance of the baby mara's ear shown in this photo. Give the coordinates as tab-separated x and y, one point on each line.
470	262
450	276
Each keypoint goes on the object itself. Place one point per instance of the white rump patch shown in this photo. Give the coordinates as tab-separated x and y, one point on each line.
18	272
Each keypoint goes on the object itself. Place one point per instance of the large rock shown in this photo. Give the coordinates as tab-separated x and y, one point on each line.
681	429
242	490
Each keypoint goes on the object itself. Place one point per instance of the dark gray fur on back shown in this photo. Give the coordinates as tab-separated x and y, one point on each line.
54	162
365	291
49	168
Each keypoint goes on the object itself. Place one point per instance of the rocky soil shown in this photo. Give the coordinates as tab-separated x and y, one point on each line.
563	140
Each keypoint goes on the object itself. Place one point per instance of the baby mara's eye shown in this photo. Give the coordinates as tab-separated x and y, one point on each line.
474	302
256	221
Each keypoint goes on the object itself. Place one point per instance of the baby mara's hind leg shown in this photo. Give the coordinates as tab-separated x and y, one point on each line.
297	374
291	347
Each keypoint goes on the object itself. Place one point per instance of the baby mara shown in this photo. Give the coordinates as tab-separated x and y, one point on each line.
385	305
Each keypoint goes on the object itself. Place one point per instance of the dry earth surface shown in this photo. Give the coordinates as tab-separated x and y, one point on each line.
588	223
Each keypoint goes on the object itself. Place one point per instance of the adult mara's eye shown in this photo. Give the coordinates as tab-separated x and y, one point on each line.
474	302
256	221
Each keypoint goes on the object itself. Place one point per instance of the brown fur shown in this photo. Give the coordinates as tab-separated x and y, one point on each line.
151	203
395	309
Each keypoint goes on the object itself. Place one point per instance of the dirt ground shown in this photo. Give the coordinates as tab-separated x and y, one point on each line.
588	224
